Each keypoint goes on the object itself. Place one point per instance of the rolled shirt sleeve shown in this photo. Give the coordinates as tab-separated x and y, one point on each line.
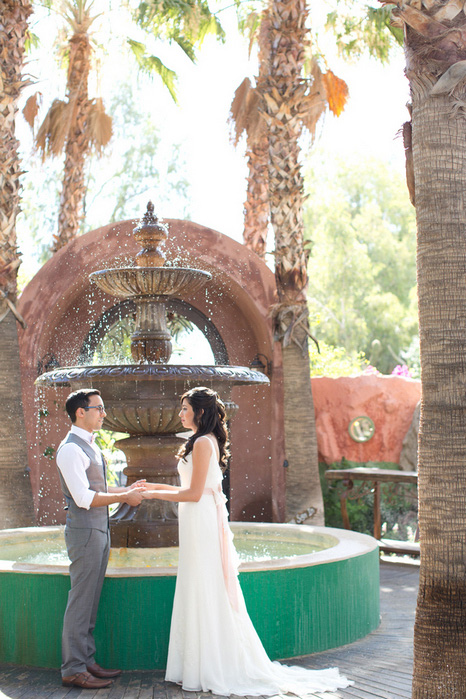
73	462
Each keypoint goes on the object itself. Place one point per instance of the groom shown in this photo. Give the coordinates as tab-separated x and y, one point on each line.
82	472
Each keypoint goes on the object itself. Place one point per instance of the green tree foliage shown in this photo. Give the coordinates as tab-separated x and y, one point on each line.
362	267
335	361
185	23
363	29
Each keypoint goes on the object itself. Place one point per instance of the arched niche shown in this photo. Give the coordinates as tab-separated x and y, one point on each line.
62	309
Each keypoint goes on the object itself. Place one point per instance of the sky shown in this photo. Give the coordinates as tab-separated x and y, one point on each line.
199	123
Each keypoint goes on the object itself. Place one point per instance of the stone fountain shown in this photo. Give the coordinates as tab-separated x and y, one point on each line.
142	399
338	584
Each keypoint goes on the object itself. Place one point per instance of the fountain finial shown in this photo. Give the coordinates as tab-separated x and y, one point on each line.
150	234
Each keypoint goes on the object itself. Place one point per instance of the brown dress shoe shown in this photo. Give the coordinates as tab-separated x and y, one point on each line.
85	680
98	671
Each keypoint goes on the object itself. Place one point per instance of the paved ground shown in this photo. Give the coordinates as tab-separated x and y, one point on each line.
380	665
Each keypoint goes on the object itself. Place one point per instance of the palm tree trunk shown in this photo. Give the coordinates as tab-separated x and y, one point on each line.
256	207
439	154
302	483
435	43
284	95
16	506
73	192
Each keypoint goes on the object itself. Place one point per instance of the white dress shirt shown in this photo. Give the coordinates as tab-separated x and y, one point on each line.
73	463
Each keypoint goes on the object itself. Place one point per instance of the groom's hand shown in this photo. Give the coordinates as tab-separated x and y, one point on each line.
134	496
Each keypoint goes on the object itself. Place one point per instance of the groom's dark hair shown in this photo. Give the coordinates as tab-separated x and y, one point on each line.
79	399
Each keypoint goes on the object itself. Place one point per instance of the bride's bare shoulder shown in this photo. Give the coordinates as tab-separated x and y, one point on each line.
206	442
202	442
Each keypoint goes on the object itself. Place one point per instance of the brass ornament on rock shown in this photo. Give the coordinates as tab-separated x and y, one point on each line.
361	428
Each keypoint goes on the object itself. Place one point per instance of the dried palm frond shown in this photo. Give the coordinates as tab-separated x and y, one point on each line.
449	10
31	108
450	79
100	129
54	129
246	115
316	101
337	92
238	117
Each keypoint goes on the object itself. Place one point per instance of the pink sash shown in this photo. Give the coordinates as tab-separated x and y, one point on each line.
227	551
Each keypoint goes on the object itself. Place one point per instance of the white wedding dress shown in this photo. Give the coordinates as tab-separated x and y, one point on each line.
213	644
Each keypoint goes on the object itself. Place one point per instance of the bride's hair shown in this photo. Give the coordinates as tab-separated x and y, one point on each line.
209	418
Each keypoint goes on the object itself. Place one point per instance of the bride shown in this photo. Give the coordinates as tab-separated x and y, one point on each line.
213	644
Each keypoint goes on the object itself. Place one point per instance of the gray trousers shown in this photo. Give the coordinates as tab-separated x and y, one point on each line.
88	550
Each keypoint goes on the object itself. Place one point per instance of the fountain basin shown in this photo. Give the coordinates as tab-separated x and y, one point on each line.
299	604
145	398
150	281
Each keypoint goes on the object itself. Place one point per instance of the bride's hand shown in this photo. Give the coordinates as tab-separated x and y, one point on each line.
138	484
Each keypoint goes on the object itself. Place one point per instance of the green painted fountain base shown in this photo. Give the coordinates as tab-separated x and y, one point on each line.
296	611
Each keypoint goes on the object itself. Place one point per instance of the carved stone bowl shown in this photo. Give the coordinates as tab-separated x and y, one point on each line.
145	399
129	282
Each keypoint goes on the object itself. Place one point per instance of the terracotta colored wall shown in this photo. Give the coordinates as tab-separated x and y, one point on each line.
388	400
60	307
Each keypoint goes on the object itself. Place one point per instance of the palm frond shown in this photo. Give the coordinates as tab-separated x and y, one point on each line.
153	64
210	25
371	32
177	324
337	92
31	108
249	26
187	47
238	111
78	15
32	41
246	115
100	129
179	20
54	129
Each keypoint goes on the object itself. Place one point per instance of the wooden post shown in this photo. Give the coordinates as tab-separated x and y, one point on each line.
377	515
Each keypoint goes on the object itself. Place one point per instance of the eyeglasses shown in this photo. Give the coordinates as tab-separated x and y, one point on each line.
100	408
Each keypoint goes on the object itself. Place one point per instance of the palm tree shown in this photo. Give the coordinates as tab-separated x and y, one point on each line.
78	124
75	125
16	506
274	114
247	115
435	47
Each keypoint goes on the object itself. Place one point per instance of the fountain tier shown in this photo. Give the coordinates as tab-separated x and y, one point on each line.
144	399
150	281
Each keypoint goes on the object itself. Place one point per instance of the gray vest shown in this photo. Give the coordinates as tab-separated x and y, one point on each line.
79	517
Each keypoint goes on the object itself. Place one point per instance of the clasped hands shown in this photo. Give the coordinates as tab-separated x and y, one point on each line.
133	494
141	490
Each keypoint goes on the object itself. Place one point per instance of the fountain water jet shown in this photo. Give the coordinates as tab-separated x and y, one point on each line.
142	399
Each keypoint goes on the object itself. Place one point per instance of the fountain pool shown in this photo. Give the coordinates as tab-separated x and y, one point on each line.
323	593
